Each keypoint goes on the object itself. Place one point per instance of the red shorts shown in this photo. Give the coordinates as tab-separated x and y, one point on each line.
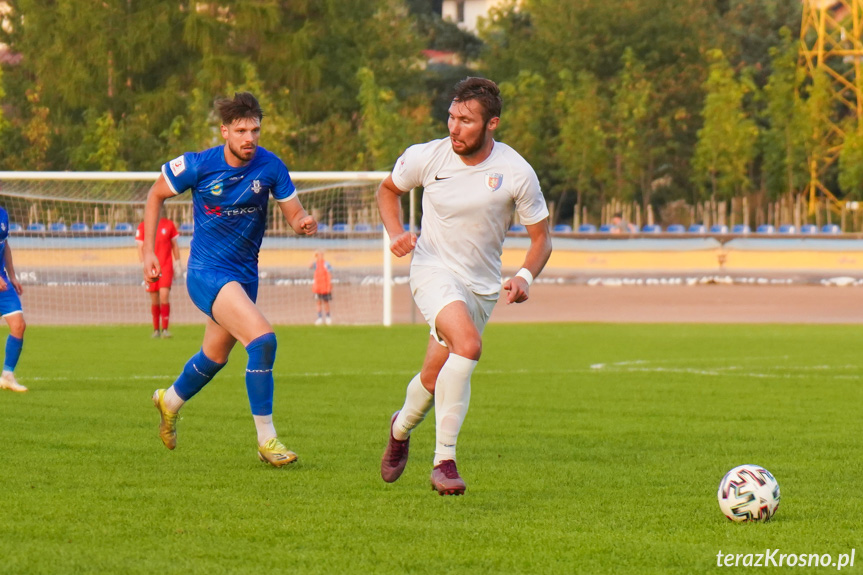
165	281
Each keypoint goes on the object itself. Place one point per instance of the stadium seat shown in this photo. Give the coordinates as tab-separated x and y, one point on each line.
606	228
765	229
187	228
124	227
13	227
675	229
79	227
651	229
340	228
57	227
517	228
362	228
719	229
787	229
36	227
808	229
697	229
101	227
587	229
741	229
379	228
323	227
830	229
562	229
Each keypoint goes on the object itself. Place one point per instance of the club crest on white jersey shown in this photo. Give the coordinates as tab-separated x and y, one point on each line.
493	181
178	165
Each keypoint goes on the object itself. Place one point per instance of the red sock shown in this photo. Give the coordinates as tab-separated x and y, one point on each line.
166	311
154	309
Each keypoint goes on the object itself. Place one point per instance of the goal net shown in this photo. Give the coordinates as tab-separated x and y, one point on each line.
72	239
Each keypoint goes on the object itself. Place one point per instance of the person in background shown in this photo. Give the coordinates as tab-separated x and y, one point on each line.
168	253
621	226
322	287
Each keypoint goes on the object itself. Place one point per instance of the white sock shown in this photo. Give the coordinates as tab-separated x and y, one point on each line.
173	401
265	427
418	402
452	397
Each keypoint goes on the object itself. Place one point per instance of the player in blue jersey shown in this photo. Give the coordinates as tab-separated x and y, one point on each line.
10	309
231	185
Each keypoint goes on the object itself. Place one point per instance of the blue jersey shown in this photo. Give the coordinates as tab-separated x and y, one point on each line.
230	206
4	235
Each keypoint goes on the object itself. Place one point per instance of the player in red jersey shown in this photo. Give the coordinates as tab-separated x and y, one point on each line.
168	252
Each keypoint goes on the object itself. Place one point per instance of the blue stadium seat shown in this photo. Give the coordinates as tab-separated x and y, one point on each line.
340	228
808	229
13	227
787	229
323	227
36	227
362	228
562	228
765	229
719	229
517	228
741	229
606	228
675	229
379	228
79	227
101	227
187	228
587	229
697	229
651	229
57	227
124	227
830	229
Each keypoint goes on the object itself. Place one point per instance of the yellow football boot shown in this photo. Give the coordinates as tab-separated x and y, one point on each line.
275	453
168	421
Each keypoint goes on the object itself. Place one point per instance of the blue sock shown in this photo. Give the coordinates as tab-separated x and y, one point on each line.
196	374
259	373
13	352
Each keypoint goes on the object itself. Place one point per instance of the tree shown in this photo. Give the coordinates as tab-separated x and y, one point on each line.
582	152
785	167
726	142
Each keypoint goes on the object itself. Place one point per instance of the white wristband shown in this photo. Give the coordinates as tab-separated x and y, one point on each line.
525	274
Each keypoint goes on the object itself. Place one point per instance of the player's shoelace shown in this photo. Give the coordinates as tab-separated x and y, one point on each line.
397	451
449	469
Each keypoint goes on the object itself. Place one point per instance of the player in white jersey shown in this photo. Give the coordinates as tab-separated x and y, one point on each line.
471	185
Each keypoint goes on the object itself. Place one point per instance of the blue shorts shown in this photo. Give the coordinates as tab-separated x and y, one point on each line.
205	285
9	301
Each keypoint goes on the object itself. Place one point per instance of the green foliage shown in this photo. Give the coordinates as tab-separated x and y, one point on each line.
587	449
851	161
726	143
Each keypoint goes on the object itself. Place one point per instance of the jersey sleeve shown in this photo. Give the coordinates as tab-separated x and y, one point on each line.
529	201
284	189
181	173
408	171
139	233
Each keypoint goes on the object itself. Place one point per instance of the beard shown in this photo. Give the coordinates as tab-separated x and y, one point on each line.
470	149
241	154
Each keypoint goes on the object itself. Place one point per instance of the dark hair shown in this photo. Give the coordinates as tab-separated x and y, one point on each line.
483	91
618	215
242	106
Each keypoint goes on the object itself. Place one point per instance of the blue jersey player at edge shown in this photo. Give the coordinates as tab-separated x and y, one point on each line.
10	309
231	185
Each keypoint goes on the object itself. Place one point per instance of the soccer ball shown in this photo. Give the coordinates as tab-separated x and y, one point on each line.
748	493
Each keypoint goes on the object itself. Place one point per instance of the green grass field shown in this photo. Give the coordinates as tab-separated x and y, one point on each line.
587	449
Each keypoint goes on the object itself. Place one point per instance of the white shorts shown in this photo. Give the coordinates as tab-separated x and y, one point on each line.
433	288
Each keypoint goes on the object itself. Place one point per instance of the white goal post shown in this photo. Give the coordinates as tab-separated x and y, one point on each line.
72	238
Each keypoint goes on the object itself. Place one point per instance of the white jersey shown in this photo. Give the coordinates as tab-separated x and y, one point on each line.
468	209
